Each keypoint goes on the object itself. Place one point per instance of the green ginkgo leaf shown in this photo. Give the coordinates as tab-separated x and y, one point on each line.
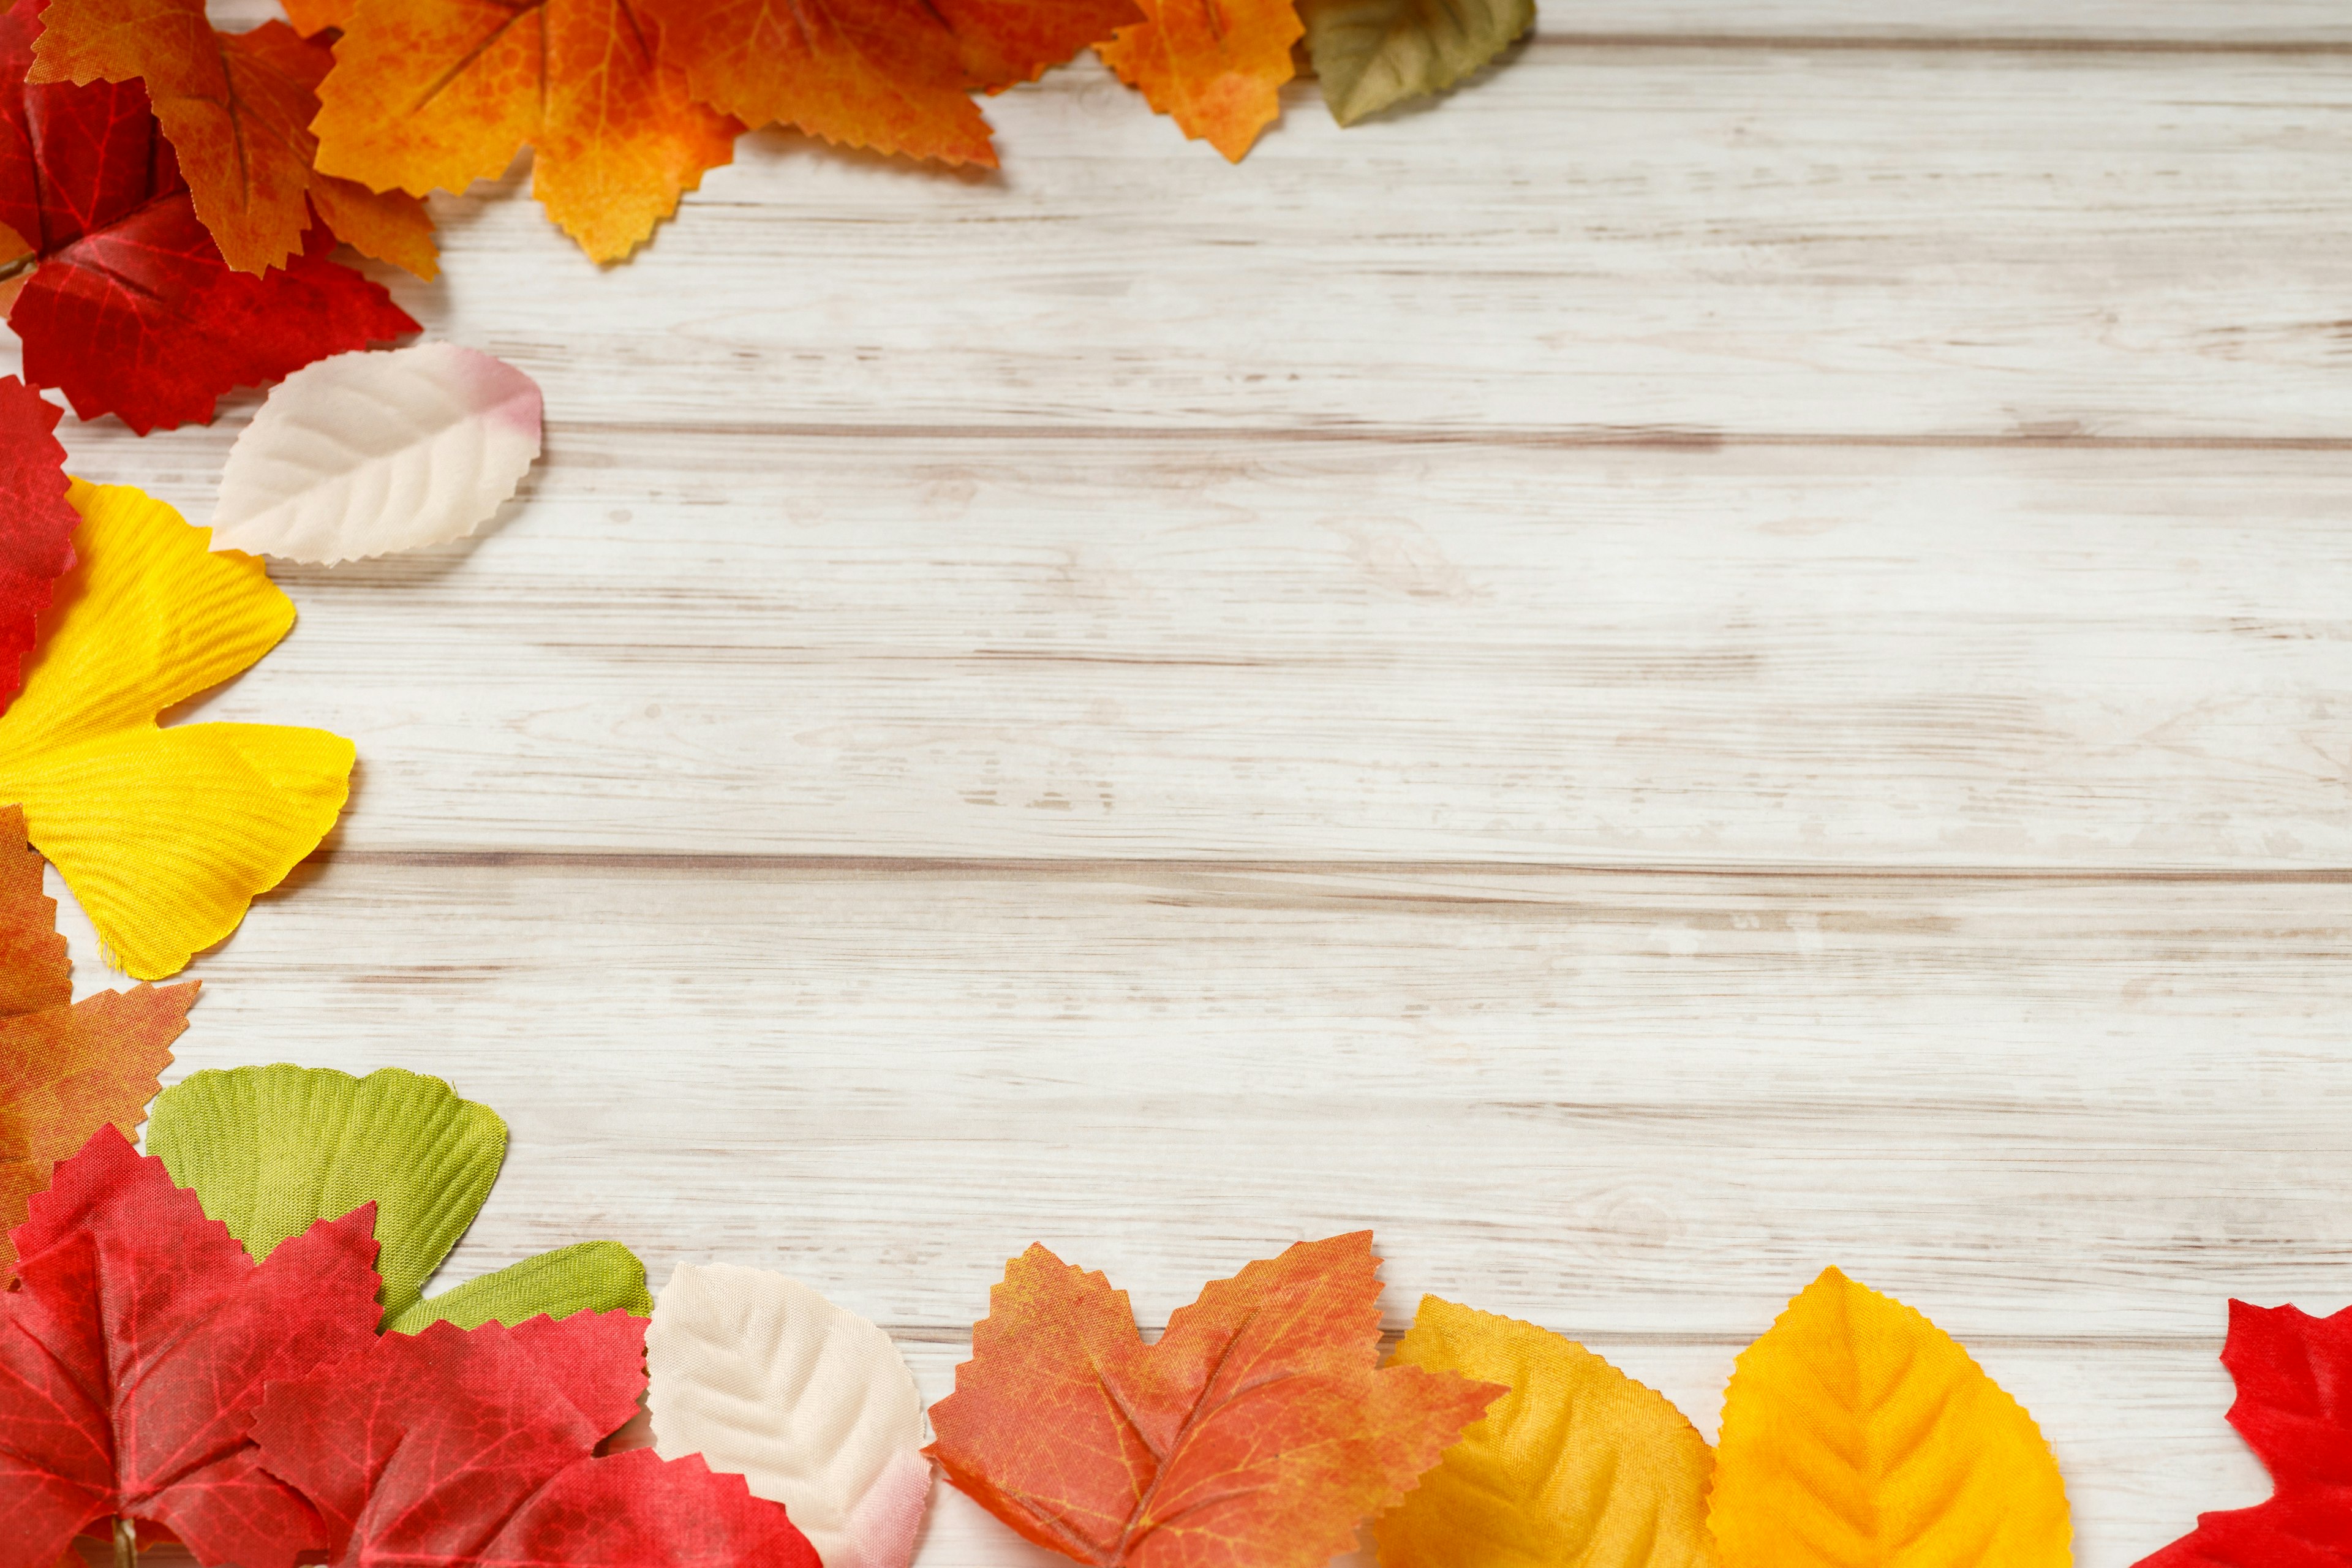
1371	54
269	1149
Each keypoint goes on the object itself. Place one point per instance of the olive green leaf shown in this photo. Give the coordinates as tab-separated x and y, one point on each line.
269	1149
1370	54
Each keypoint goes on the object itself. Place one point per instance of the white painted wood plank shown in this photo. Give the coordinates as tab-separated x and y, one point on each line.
1611	241
2067	1119
1016	648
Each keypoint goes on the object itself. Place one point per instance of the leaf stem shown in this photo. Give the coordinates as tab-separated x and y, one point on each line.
126	1543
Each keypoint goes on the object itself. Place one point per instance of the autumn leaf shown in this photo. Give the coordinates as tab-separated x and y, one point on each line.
2294	1408
269	1151
133	1361
236	108
1856	1431
1255	1433
1370	55
454	1448
67	1067
439	93
131	310
895	76
1577	1462
1216	67
366	453
37	524
310	16
811	1404
164	835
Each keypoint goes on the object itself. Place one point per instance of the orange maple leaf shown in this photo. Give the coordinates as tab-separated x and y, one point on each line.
236	108
67	1067
429	93
1216	67
896	76
1256	1433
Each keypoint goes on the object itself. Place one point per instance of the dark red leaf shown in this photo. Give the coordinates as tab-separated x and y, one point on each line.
36	523
132	1359
131	310
452	1448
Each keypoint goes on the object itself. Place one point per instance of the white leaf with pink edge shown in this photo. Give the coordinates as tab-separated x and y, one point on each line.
364	454
810	1404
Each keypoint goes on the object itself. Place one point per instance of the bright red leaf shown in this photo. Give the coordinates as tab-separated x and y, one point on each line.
132	1359
131	310
454	1448
1255	1433
2294	1408
35	524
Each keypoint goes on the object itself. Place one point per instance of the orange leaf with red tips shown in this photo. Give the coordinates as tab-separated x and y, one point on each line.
1256	1433
895	76
66	1068
236	108
1216	67
440	93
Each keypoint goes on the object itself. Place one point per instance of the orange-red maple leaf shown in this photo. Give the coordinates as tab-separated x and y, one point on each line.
66	1068
236	108
1256	1433
1216	67
428	93
896	76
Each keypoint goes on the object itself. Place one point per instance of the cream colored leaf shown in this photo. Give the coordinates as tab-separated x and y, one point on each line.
1576	1464
1371	54
367	453
810	1403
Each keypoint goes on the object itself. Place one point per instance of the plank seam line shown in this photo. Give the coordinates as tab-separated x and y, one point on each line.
1667	438
2203	1343
1081	867
1890	43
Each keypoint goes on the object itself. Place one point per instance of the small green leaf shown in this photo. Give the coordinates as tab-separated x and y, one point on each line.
1371	54
270	1149
593	1276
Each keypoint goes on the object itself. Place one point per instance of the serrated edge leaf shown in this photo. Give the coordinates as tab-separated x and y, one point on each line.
1371	55
588	1277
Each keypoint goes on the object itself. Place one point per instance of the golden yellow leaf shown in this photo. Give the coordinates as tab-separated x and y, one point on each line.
1858	1435
1577	1465
164	835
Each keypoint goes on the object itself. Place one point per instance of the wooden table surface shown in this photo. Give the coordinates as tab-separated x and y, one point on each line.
1729	653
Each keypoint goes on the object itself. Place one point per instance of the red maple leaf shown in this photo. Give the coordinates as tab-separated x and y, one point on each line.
2294	1408
132	1359
454	1448
35	524
131	310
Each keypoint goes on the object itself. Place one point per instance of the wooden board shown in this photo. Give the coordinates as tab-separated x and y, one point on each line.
1724	653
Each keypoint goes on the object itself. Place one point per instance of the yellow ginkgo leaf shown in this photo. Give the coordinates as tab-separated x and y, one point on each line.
1858	1435
164	835
1577	1465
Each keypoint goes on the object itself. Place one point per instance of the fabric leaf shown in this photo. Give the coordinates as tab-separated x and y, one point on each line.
236	108
37	525
270	1149
455	1448
895	76
368	453
812	1404
133	1361
1370	55
1216	67
1577	1462
1856	1431
428	93
67	1067
164	835
130	309
1254	1434
2294	1374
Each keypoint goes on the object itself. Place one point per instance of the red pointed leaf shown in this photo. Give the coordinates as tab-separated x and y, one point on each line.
133	1360
452	1448
35	524
131	309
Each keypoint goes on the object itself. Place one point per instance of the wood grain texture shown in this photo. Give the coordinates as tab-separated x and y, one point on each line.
1723	654
1013	648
